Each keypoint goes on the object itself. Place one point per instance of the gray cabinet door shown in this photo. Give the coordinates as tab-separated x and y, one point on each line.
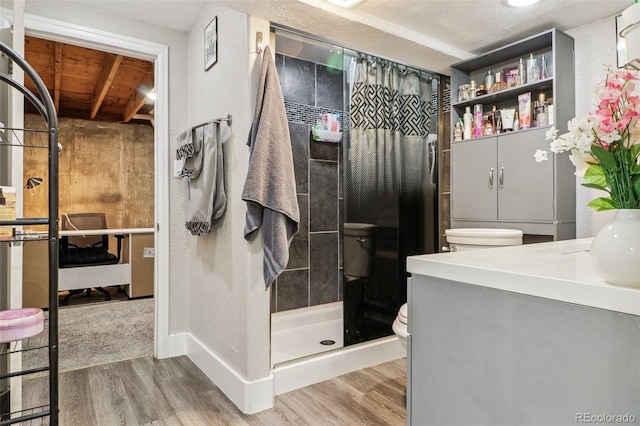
525	187
474	179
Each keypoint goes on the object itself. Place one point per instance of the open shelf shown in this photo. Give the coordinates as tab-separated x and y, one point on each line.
46	137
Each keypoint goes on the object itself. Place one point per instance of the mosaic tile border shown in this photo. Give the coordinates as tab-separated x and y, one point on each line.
307	114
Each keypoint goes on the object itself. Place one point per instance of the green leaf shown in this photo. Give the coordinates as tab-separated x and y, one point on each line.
635	186
634	150
595	175
604	157
602	204
594	186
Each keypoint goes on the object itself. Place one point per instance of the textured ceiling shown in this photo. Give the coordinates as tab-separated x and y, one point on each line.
430	34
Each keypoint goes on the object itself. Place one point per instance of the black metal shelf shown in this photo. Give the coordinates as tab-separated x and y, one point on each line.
10	137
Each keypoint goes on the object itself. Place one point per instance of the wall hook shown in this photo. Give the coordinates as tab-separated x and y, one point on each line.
259	42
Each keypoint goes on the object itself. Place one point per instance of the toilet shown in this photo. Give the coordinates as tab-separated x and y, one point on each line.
358	262
463	239
359	248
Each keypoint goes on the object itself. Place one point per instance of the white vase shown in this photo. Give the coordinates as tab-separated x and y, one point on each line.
615	250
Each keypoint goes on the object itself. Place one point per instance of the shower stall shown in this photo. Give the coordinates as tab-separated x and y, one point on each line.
366	202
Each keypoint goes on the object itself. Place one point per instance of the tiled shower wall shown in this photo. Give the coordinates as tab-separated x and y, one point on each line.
312	276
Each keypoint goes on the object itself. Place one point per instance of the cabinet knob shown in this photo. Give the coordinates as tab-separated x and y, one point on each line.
491	178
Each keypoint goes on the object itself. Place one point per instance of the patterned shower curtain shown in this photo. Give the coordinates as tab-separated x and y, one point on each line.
388	157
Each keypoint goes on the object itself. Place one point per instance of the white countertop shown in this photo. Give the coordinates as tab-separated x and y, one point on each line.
559	270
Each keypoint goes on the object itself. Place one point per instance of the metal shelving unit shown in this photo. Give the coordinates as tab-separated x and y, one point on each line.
11	137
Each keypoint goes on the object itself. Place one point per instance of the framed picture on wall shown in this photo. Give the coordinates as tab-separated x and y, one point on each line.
211	44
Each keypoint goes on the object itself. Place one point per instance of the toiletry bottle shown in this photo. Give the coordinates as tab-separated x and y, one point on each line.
522	72
533	72
516	123
543	71
468	119
335	124
542	111
481	90
458	132
493	119
472	89
488	80
498	84
487	127
477	121
497	119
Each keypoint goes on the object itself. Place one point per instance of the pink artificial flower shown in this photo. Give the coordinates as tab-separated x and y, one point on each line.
634	100
604	144
611	94
604	111
607	125
623	122
625	75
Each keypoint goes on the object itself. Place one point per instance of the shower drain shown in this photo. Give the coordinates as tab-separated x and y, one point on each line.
327	342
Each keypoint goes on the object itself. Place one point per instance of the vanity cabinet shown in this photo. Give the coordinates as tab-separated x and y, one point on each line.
495	180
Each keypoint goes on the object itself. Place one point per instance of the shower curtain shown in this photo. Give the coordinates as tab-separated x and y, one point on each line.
389	151
389	170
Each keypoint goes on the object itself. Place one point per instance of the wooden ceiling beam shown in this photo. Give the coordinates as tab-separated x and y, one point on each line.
148	117
57	75
138	99
109	69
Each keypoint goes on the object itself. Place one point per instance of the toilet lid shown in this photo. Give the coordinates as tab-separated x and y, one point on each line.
484	236
402	314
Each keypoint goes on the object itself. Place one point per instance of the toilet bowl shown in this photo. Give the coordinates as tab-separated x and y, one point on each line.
400	325
463	239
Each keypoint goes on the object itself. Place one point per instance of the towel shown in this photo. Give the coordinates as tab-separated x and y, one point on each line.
270	188
200	150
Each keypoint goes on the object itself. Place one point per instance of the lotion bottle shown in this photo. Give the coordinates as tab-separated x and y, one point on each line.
477	121
468	120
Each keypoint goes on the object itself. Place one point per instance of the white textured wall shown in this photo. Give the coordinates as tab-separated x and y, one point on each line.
177	42
228	304
595	46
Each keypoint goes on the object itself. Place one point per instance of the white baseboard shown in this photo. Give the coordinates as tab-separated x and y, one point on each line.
254	396
298	374
249	396
176	345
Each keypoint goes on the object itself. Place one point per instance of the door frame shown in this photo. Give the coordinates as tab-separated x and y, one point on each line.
50	29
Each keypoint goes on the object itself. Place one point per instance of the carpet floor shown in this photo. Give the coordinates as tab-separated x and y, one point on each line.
96	334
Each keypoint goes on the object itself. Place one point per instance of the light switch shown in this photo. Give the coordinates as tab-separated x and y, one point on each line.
149	252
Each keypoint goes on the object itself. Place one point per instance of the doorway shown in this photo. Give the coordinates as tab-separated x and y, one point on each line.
158	55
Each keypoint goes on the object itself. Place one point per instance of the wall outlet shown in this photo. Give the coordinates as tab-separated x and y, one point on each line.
149	252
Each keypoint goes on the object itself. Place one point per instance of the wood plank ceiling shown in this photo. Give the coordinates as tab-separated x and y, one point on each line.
90	84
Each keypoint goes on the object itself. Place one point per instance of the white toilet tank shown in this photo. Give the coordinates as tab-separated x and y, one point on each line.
461	239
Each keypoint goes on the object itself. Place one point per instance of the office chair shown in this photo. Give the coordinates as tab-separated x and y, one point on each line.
86	250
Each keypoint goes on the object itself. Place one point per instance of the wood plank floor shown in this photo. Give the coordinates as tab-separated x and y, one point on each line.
146	391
